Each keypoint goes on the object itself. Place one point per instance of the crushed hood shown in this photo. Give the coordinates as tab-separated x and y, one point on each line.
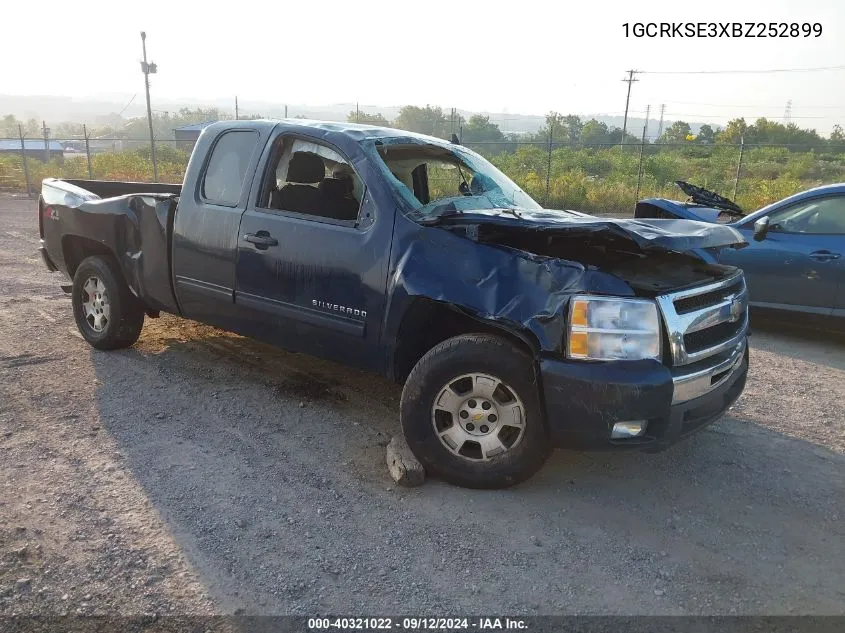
646	235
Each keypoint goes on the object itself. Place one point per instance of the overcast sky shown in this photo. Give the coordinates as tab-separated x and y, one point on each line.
524	57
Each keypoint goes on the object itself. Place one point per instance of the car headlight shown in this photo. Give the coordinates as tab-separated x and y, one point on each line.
603	328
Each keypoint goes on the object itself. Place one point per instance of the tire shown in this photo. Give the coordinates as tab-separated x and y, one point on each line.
107	314
456	375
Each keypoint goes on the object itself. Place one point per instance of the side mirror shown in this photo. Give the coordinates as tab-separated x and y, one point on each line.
761	227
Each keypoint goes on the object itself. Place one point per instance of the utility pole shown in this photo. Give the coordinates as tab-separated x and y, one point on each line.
46	131
549	165
640	167
660	125
787	113
87	151
147	69
629	80
645	125
286	111
237	116
739	164
357	113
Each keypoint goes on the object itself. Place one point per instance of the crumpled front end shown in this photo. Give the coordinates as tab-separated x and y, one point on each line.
702	373
518	291
522	273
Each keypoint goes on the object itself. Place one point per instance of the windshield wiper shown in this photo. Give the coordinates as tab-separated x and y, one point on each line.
464	187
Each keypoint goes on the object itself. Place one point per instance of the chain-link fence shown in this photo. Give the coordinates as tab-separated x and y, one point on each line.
25	162
609	179
598	179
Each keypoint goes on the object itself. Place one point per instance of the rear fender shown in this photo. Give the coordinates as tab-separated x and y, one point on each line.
135	229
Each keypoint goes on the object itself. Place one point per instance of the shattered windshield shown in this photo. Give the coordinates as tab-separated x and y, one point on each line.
438	181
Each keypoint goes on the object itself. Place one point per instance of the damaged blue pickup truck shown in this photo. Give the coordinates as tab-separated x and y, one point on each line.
513	329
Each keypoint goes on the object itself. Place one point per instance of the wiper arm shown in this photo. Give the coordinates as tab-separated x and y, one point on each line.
464	187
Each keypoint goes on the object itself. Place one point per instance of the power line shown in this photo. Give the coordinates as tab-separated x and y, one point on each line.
739	72
127	105
758	105
771	117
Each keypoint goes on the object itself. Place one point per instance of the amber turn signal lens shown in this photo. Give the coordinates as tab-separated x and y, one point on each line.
579	314
577	344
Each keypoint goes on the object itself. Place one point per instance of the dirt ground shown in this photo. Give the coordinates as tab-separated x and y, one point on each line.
200	472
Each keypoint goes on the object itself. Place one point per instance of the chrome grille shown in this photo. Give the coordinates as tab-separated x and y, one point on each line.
703	339
706	328
692	303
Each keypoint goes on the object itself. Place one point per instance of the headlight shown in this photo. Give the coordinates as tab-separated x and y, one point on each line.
602	328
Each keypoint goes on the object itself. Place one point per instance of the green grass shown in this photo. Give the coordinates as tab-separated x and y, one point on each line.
591	180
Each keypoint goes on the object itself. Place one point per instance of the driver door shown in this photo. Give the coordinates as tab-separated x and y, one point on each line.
798	266
310	275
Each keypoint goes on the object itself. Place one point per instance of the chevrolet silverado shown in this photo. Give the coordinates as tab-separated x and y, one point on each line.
514	329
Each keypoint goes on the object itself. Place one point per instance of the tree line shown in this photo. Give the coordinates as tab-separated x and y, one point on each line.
561	129
116	127
572	130
588	168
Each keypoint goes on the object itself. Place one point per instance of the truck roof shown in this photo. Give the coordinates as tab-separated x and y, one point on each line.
354	131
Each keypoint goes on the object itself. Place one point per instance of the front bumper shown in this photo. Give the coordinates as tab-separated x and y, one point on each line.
584	400
47	261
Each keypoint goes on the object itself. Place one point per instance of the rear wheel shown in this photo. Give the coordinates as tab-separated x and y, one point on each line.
107	314
471	413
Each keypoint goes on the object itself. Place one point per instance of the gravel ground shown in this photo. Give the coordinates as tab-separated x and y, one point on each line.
200	472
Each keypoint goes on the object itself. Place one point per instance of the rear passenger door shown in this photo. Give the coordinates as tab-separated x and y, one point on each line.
205	229
312	255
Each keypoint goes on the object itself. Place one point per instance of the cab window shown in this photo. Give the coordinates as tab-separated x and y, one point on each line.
312	179
226	172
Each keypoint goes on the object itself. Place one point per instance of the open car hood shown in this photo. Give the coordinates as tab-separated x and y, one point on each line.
705	197
673	235
663	208
702	204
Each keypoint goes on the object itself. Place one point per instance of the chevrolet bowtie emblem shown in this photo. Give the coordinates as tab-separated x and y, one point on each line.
736	310
477	417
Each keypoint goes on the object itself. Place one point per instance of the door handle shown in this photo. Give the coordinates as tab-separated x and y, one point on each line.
824	256
262	238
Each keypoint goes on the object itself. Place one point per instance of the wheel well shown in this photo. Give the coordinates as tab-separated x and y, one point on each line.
76	248
427	323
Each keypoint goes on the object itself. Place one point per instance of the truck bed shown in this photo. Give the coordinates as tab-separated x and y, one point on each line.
113	188
133	221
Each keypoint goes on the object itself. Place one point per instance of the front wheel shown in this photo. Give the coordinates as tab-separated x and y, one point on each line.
107	314
471	413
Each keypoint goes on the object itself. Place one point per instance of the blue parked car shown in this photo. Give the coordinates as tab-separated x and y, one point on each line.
795	258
